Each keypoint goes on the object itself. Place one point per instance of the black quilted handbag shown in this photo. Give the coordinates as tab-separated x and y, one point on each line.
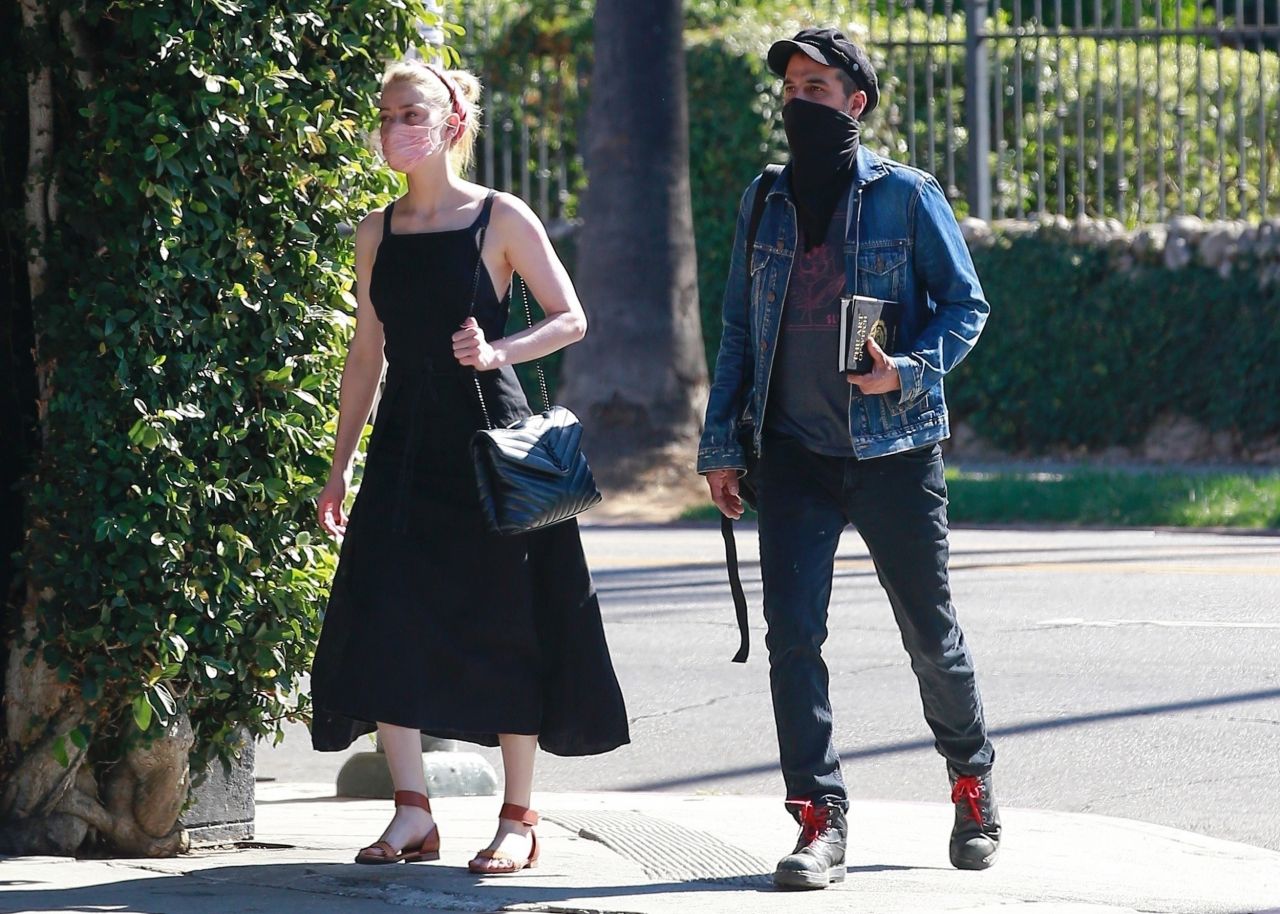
531	474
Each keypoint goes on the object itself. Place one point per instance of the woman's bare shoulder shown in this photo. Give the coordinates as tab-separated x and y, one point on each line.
372	222
507	205
369	231
515	218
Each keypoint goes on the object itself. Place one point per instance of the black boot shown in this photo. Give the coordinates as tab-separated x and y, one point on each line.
818	859
975	838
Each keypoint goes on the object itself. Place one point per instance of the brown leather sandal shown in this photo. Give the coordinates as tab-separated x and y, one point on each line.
512	813
428	850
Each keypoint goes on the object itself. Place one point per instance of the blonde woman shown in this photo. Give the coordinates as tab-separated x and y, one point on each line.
436	625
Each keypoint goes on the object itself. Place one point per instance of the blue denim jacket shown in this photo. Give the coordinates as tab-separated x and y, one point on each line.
901	243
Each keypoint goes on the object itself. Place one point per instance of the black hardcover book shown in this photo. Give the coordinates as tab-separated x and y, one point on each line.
863	318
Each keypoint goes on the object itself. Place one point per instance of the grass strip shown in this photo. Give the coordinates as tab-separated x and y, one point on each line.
1100	497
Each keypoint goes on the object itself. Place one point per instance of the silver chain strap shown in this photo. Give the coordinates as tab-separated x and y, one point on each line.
475	289
517	282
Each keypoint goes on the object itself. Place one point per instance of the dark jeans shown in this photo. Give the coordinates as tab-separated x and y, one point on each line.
899	506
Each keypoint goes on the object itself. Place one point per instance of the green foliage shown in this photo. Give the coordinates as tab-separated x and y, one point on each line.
17	390
533	58
1081	354
199	303
1089	13
734	130
734	127
1096	497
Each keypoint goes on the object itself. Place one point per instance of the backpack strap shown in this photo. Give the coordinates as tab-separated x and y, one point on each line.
768	178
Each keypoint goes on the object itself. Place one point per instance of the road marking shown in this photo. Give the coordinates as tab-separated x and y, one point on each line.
1116	565
1123	566
1159	623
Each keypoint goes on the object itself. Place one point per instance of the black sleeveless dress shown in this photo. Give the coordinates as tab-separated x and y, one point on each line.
434	622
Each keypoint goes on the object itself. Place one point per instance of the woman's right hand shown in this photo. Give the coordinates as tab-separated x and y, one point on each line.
333	520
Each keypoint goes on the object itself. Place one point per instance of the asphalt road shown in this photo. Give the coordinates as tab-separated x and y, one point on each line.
1126	673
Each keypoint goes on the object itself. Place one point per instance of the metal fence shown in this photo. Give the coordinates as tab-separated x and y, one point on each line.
1128	109
528	90
1131	109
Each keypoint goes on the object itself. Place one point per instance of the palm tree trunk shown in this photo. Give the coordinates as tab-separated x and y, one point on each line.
639	379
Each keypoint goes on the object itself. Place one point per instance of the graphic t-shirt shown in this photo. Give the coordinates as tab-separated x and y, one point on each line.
808	395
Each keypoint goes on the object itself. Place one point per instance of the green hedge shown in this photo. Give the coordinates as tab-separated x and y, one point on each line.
1080	353
198	303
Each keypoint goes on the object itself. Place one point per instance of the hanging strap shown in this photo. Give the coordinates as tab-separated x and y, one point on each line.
735	587
767	179
517	283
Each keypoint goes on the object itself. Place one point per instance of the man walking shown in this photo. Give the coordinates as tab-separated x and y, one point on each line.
836	449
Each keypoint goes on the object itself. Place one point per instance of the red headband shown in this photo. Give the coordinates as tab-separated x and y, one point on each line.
453	93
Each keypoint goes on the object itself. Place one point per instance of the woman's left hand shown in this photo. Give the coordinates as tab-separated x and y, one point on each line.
471	348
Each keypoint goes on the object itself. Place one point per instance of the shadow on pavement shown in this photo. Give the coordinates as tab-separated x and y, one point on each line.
638	581
320	887
1056	723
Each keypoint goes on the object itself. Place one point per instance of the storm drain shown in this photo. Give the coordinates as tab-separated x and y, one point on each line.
666	850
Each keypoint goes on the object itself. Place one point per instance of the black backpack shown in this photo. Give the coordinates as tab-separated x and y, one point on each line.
746	486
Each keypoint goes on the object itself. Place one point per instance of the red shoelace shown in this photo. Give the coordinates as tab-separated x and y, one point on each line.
969	788
813	818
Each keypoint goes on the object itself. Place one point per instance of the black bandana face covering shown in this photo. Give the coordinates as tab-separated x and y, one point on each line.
824	148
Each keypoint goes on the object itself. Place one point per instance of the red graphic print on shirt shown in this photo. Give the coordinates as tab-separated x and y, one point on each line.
817	282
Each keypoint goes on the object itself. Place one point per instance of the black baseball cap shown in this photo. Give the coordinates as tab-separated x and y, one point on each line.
832	49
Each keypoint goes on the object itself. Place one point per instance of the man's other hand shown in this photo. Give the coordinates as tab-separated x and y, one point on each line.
724	492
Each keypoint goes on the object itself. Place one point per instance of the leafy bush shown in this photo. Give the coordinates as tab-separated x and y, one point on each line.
1082	354
199	297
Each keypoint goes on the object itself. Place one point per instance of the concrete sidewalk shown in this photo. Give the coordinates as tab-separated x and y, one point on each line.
660	853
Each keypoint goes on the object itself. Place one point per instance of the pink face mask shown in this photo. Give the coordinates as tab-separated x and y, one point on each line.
405	146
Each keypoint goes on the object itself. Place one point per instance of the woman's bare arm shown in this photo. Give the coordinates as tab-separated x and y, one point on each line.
363	368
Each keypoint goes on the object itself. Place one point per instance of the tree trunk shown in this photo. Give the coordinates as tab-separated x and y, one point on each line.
52	802
639	379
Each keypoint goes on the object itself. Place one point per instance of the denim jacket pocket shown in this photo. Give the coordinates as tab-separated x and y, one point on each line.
882	269
923	409
756	272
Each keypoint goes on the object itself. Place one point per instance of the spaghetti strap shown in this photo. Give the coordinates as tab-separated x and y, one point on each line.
386	218
482	221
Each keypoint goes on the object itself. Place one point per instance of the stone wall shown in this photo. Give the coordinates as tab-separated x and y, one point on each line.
1175	245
